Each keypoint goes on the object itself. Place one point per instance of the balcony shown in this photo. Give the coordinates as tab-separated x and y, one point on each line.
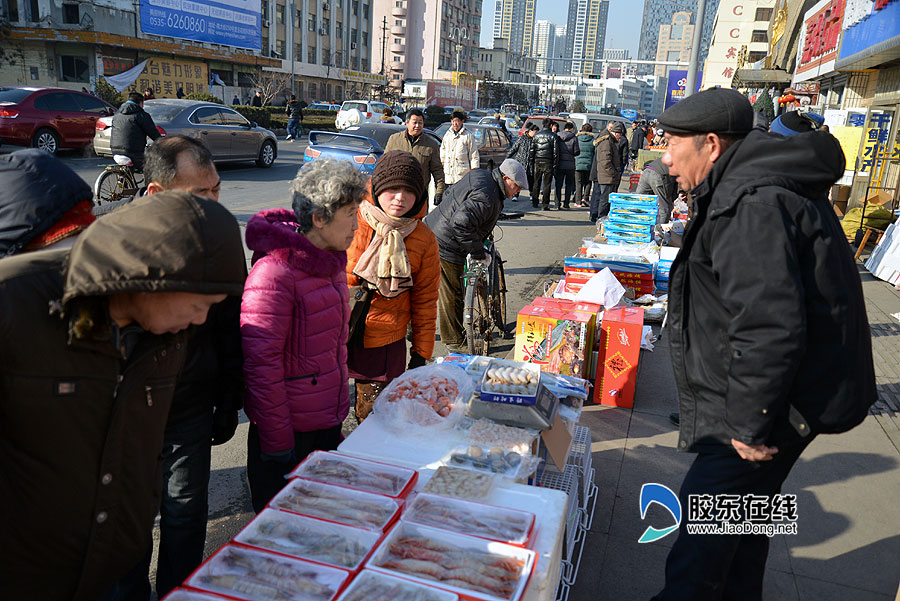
399	11
397	83
398	66
398	30
398	48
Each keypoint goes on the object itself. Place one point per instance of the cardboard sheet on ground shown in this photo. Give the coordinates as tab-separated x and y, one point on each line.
603	288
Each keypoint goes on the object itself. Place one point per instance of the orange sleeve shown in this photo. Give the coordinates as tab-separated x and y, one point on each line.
424	295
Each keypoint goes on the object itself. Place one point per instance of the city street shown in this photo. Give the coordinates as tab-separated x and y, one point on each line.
533	248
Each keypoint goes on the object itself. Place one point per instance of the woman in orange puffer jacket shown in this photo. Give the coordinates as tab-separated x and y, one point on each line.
395	252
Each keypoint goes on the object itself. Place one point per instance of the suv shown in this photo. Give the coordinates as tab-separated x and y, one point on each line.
354	112
49	118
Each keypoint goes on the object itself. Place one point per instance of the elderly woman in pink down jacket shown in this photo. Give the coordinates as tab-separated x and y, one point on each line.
294	324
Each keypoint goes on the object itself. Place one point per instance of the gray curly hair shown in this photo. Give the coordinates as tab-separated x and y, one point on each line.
323	187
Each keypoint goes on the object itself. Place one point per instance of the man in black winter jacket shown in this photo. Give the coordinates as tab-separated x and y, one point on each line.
131	126
461	224
565	174
768	332
545	158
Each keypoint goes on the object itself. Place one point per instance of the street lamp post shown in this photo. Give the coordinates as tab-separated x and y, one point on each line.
459	34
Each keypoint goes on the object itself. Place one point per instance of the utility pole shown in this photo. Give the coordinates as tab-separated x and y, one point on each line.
383	47
459	34
293	47
691	80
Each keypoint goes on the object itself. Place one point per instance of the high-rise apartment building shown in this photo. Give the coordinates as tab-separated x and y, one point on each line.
660	12
544	46
560	66
674	43
586	35
514	21
424	40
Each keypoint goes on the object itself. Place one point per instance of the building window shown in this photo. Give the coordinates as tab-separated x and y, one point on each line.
279	14
298	20
312	91
34	11
355	7
311	24
339	59
759	35
311	55
74	68
365	11
279	48
398	23
752	57
763	14
298	52
328	90
70	14
339	30
265	9
365	65
339	92
365	40
34	72
354	33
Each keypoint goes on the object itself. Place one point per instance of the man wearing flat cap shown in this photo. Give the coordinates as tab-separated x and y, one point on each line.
769	338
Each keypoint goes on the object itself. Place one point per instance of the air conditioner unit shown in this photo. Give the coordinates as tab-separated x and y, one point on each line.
325	6
323	31
352	45
266	23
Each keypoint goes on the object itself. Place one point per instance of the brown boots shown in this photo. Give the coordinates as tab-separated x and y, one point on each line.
366	392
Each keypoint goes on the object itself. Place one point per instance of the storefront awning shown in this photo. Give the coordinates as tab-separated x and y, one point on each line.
878	54
746	77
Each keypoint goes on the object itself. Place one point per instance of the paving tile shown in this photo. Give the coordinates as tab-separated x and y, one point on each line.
631	571
811	589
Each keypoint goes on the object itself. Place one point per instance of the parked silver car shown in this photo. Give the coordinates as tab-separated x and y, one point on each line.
227	133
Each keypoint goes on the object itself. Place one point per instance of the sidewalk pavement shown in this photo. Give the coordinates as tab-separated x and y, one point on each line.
847	486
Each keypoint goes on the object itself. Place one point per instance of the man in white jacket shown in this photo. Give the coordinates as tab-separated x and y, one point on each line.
459	150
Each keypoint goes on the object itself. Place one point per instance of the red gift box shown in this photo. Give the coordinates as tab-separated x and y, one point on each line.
617	360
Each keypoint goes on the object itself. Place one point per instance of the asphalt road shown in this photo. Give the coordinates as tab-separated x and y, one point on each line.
533	247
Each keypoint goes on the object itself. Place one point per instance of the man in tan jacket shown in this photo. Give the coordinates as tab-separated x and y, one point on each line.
426	150
459	150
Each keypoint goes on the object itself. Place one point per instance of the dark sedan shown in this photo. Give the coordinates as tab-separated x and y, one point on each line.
492	142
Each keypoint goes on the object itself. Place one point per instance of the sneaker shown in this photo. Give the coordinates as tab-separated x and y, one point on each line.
288	139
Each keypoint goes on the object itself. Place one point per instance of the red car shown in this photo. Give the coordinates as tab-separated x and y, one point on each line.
49	118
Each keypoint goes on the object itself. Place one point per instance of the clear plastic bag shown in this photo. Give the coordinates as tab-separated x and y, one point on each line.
425	399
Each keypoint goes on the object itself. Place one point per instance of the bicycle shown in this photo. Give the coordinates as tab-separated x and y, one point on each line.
117	182
484	308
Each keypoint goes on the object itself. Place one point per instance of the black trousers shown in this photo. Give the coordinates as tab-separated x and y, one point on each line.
266	478
543	179
715	567
567	177
583	186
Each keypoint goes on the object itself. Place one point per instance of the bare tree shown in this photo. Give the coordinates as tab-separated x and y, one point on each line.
270	84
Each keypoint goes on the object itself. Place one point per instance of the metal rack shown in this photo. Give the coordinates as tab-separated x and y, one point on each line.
577	481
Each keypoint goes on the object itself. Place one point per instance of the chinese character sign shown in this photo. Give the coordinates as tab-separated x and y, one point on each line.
819	37
166	76
229	22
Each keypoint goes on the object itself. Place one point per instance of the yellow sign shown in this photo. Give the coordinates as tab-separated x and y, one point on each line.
364	77
849	138
166	76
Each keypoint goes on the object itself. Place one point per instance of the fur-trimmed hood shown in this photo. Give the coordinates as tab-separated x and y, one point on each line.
274	232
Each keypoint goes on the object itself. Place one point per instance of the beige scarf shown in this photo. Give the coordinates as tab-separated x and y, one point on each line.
385	263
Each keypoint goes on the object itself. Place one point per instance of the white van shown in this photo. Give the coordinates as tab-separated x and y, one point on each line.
598	121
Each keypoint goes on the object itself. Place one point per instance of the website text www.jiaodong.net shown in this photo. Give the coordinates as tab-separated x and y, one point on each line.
743	528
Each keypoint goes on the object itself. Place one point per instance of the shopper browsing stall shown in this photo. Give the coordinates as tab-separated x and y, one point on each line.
394	257
294	318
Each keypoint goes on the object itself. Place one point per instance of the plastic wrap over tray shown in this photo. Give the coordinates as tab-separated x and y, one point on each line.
309	538
473	567
380	586
244	573
183	594
352	472
337	504
501	524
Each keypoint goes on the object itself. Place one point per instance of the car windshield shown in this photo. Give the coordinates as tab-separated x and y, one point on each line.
342	140
162	112
441	129
14	95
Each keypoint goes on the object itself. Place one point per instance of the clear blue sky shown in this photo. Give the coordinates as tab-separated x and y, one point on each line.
623	28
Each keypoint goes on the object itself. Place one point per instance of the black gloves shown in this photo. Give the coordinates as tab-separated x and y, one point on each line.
415	360
225	422
437	199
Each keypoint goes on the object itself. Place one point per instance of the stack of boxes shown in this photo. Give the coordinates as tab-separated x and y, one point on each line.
632	271
631	220
667	254
557	335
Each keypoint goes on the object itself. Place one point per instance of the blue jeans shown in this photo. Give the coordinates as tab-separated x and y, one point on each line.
293	128
600	200
185	500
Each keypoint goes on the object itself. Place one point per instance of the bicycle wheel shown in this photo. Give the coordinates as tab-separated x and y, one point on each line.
111	185
476	317
498	296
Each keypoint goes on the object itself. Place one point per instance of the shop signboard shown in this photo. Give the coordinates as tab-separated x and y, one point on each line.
820	35
877	135
444	93
677	82
236	23
734	29
868	23
165	76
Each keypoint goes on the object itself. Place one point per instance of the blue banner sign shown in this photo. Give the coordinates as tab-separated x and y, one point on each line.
236	23
677	81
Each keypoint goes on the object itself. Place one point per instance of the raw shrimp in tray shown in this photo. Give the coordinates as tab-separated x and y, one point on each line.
377	586
477	519
473	567
352	472
337	504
